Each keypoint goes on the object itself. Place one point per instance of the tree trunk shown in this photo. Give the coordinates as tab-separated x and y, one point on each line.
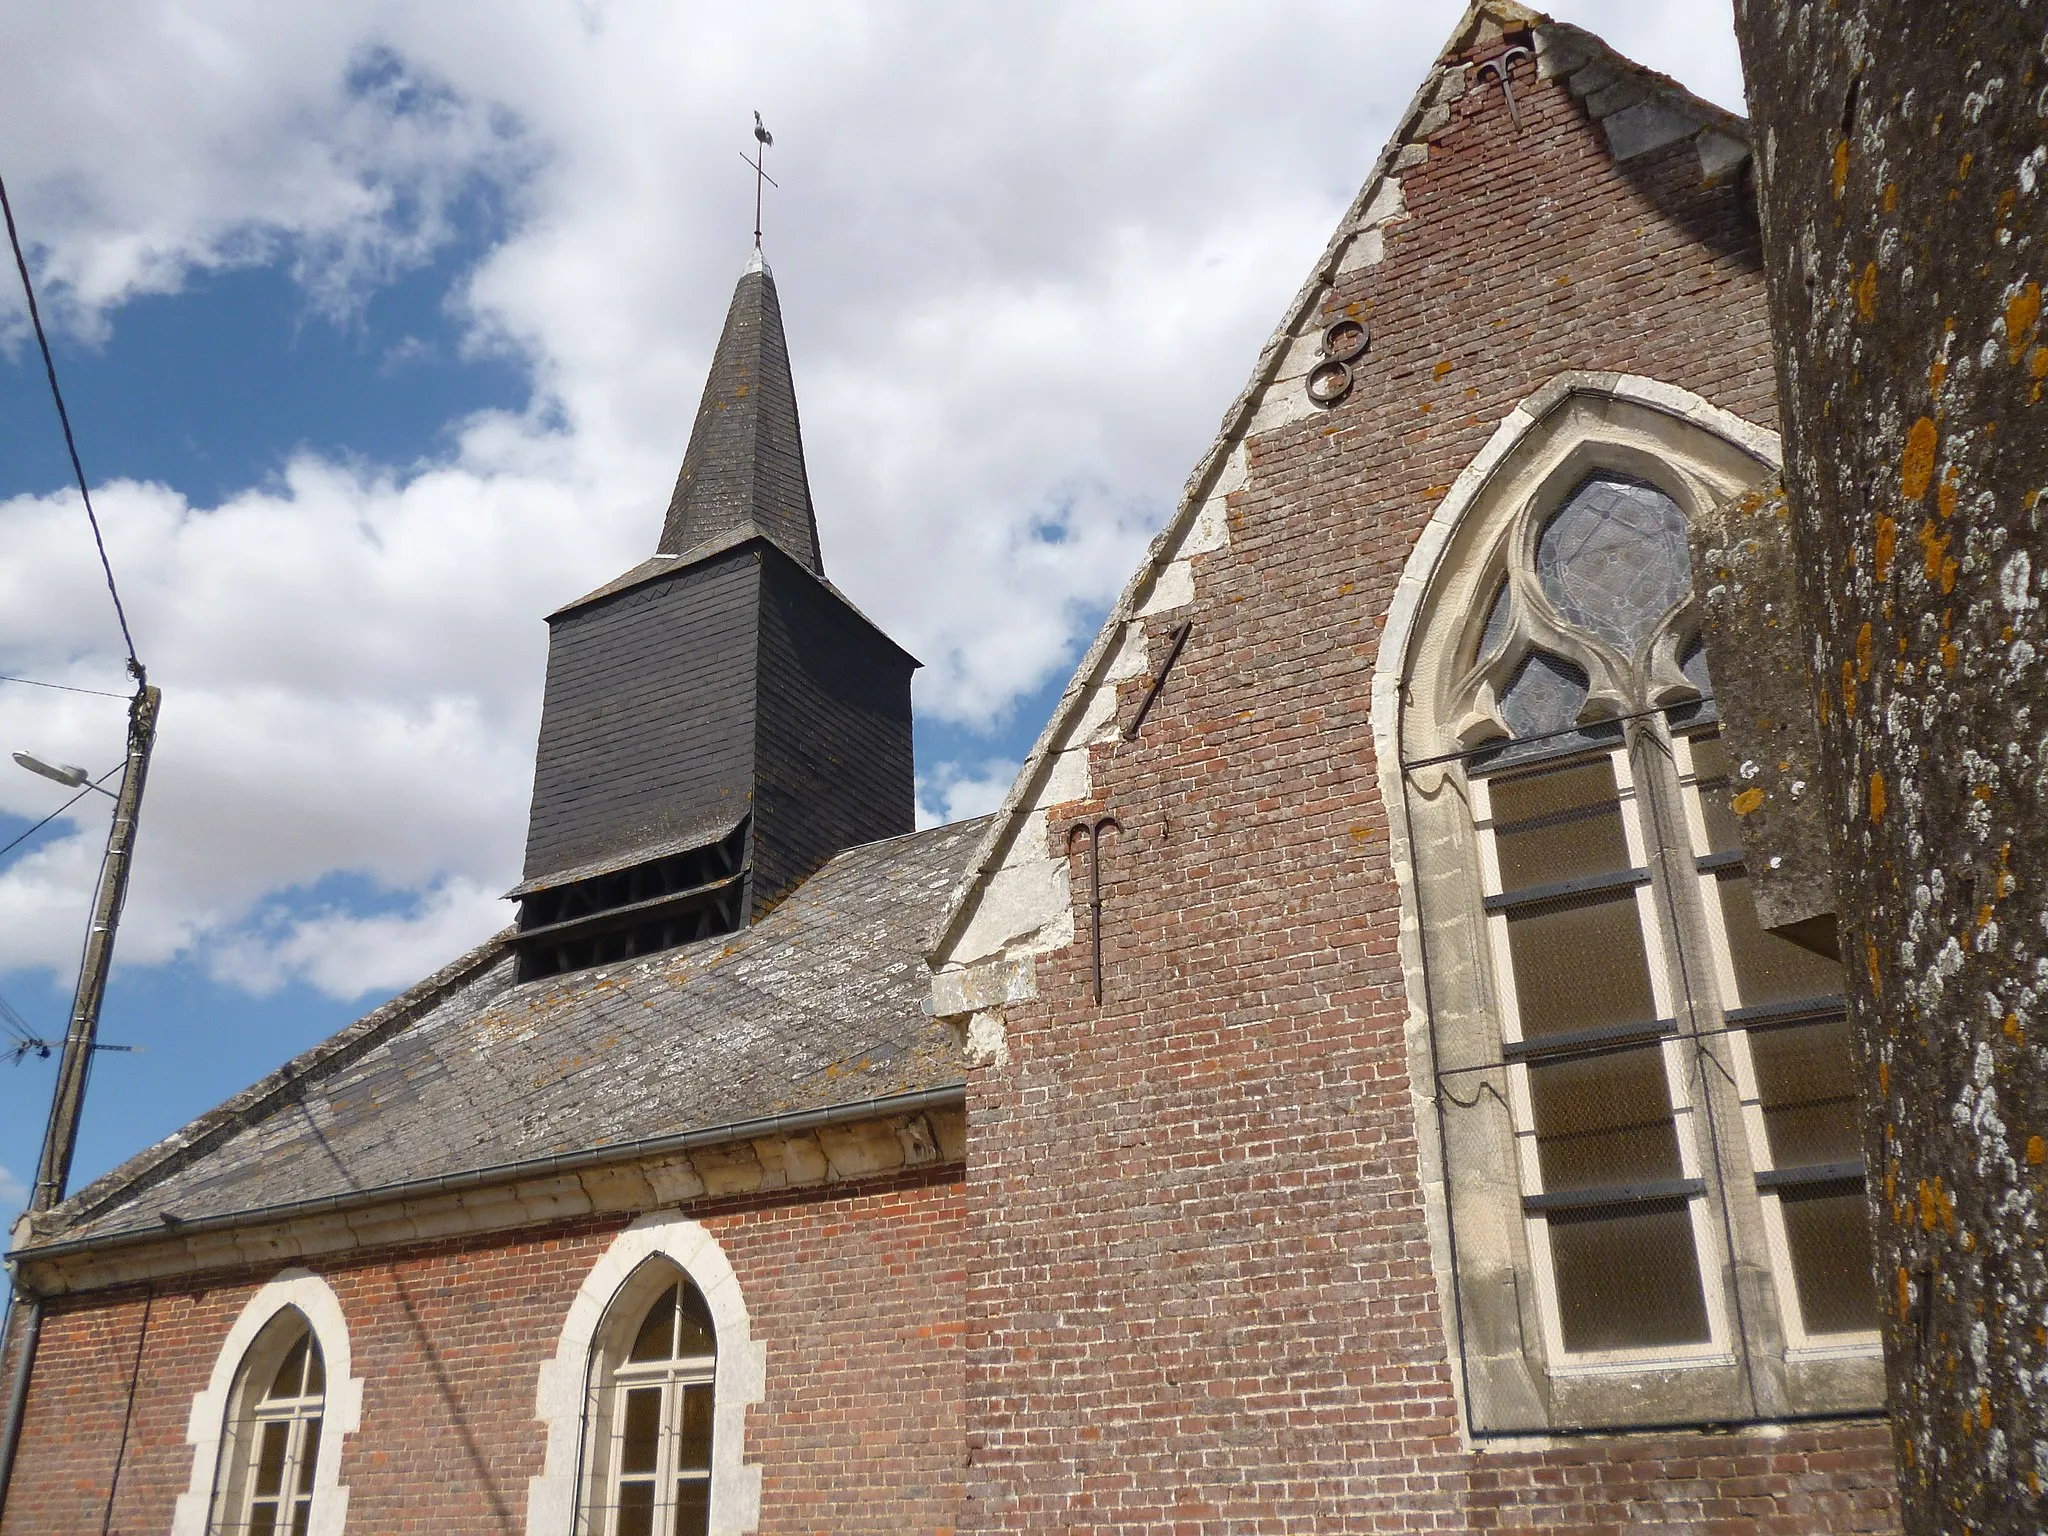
1902	157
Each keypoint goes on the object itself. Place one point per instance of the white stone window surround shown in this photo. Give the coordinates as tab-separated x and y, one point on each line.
1429	678
640	1262
207	1429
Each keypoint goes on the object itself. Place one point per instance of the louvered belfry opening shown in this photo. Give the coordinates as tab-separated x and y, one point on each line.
719	721
639	910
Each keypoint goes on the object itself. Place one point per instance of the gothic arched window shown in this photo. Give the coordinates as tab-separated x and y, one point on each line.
273	1436
651	1419
1650	1160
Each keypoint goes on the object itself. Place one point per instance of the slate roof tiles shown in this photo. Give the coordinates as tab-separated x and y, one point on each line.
819	1004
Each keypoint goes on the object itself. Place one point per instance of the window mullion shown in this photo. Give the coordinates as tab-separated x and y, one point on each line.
671	1442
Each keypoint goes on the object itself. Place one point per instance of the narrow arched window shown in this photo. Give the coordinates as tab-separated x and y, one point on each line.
1651	1170
651	1441
273	1434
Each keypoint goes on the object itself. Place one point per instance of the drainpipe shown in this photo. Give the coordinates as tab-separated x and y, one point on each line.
30	1310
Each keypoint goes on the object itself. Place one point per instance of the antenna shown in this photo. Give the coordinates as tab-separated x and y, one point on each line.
762	139
23	1042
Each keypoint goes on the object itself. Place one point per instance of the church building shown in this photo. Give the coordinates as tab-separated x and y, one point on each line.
1347	1086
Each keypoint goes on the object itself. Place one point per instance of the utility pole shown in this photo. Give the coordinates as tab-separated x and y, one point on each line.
60	1139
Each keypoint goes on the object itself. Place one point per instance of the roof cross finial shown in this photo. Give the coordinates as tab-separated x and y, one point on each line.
762	139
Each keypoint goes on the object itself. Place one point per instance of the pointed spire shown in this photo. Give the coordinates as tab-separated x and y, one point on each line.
744	471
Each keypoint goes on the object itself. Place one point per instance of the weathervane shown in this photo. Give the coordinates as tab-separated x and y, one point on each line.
762	139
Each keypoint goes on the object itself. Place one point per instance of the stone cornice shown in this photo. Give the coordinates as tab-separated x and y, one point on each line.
808	1149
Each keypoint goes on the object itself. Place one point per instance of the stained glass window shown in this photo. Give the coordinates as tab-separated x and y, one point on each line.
1613	559
1603	1115
1544	696
1498	618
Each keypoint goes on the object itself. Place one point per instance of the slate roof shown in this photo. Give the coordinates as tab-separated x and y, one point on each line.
819	1004
744	470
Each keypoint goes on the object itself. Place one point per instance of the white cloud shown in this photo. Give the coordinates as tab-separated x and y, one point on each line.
344	954
1026	256
956	791
13	1193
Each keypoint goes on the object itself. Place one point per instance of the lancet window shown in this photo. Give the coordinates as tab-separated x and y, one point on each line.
1651	1168
274	1434
652	1420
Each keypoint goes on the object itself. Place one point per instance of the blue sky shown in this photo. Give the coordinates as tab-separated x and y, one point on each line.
382	328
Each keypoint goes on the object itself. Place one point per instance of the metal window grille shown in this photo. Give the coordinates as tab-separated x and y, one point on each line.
1595	1084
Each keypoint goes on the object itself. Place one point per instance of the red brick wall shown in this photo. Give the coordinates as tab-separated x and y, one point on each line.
1198	1290
1202	1298
855	1294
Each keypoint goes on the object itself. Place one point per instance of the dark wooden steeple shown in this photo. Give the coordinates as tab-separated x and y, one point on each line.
720	720
744	471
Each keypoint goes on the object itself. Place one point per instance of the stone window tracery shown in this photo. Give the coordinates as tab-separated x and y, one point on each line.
1650	1183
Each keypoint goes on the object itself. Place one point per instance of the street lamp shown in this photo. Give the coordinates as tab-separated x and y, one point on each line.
62	773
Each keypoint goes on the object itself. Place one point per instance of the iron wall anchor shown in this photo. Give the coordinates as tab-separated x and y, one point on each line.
1093	831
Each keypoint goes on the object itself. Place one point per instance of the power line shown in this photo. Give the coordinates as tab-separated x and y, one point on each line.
27	1043
70	443
13	1022
36	682
32	831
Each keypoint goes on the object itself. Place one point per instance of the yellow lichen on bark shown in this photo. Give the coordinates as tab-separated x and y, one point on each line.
2022	314
1934	548
1916	466
1877	796
1866	292
1887	543
1937	1207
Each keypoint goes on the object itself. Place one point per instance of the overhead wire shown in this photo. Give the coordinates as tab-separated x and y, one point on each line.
36	682
25	1040
28	289
15	1024
32	831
